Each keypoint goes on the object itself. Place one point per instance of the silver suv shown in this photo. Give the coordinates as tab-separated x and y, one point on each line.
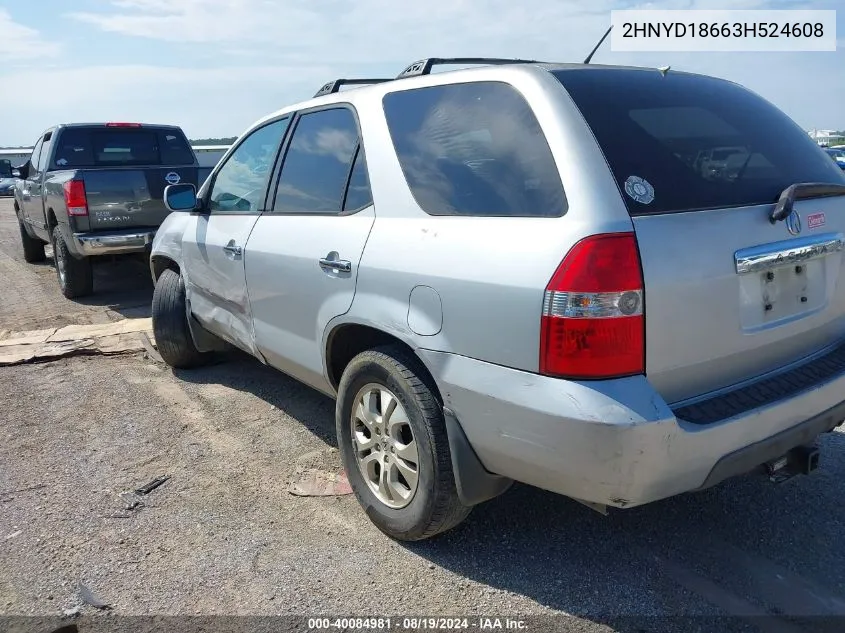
524	272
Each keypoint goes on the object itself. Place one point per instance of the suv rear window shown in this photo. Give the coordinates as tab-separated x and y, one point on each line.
474	149
684	142
103	147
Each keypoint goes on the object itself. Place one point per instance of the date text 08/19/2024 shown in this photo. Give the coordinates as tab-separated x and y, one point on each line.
417	624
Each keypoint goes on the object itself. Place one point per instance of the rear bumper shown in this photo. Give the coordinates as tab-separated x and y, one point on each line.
112	242
617	442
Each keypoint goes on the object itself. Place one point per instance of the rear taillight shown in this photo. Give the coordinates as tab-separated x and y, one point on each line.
75	199
121	124
593	324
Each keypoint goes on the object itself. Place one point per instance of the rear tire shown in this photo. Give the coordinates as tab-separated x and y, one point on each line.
170	323
33	248
433	506
76	275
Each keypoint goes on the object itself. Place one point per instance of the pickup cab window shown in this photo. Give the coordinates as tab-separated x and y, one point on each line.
44	158
102	147
36	154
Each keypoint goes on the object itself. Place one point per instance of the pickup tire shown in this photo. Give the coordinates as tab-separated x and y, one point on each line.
170	323
433	506
76	275
33	248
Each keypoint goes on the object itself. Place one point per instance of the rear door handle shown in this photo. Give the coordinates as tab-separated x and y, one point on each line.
234	249
340	265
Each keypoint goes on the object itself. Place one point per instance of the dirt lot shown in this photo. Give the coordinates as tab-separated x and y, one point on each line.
224	536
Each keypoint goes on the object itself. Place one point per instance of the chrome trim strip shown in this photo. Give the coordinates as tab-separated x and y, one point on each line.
767	256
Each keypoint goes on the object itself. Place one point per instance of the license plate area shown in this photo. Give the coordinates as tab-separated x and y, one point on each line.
787	281
783	294
791	291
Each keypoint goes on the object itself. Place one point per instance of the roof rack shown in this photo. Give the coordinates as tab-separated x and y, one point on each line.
334	86
424	66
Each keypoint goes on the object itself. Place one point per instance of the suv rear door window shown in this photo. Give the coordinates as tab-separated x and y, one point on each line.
684	142
317	165
474	149
104	147
358	194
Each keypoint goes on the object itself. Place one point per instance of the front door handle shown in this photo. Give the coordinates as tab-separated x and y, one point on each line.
340	265
234	249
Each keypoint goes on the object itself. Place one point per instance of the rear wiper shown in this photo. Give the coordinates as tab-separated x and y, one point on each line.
800	191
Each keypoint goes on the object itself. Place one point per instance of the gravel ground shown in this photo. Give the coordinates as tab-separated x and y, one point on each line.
31	298
223	535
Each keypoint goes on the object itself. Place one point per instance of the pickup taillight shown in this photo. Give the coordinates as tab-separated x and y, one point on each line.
75	199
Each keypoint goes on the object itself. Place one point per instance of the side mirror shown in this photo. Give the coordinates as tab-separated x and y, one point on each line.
23	171
181	197
16	173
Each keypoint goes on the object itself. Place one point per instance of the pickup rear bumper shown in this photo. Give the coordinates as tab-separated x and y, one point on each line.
112	242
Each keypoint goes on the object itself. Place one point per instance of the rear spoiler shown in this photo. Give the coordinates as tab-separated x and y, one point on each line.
802	191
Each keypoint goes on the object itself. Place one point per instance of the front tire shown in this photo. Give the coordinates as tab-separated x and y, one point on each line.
393	443
33	248
76	275
170	323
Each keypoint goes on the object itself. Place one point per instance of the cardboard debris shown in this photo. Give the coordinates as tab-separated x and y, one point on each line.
150	347
124	326
119	337
27	338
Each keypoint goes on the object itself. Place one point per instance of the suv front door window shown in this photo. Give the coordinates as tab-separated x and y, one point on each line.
213	247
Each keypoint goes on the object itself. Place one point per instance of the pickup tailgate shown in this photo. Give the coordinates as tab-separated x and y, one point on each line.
125	167
131	197
729	294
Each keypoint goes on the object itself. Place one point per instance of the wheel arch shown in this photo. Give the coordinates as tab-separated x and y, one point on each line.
160	263
344	340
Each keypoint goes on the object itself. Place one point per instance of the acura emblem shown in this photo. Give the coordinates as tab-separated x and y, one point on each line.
793	223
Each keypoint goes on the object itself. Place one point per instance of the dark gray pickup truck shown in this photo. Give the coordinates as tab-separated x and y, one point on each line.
96	189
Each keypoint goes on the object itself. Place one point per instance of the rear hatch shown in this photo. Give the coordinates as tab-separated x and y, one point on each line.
730	295
125	169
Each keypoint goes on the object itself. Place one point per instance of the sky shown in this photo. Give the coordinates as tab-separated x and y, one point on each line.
215	66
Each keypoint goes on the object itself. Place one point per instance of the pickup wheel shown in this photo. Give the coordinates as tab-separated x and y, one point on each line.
33	248
76	276
170	323
393	443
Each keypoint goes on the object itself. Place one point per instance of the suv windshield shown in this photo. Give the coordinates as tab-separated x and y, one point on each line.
684	142
103	147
